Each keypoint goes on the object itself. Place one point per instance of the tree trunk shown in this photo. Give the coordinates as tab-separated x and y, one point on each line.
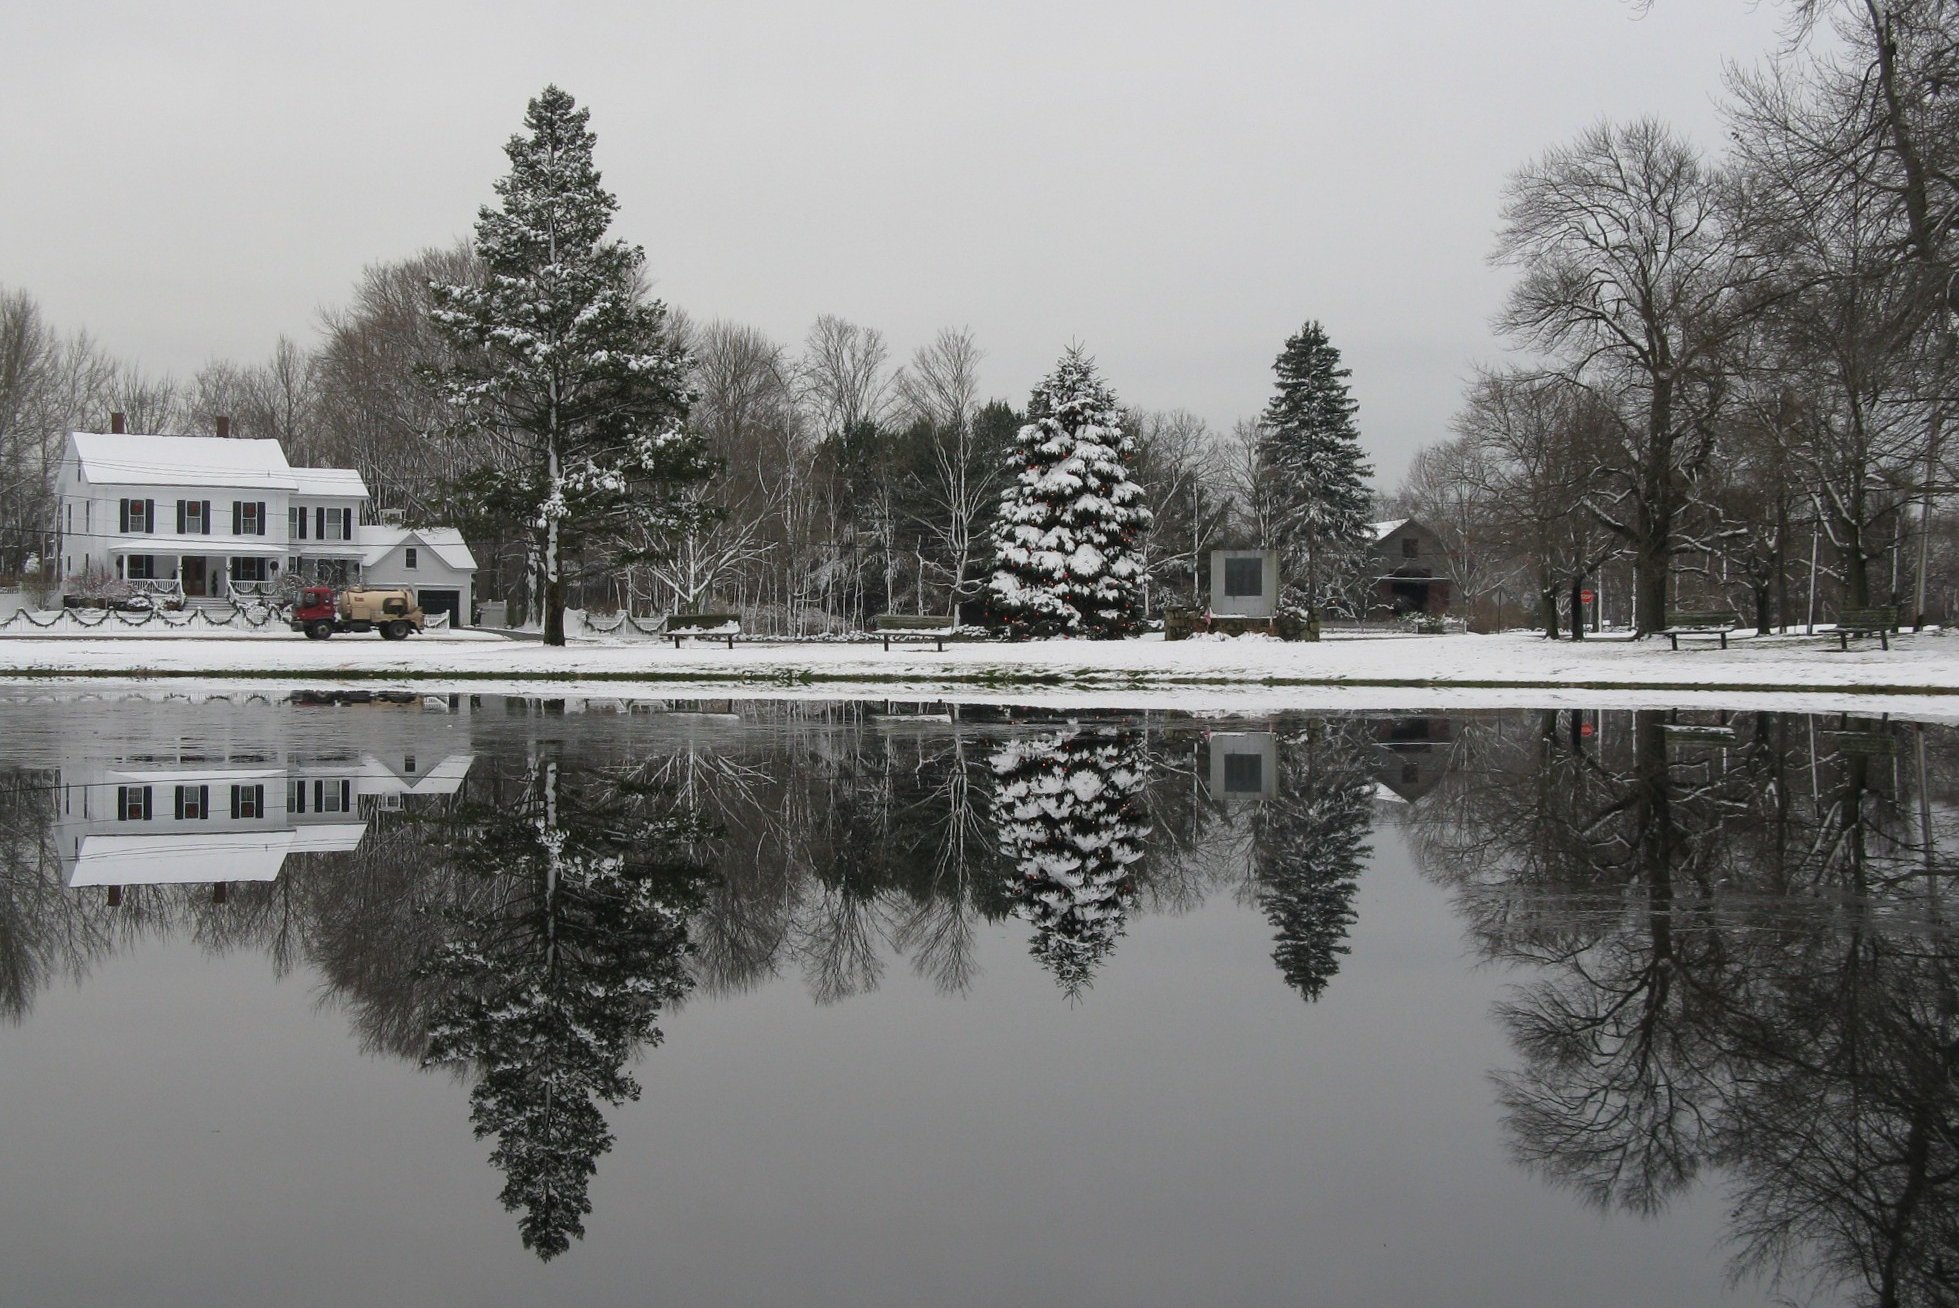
1548	600
1650	589
1762	623
1577	609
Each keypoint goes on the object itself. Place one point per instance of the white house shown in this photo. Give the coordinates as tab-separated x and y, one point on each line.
199	516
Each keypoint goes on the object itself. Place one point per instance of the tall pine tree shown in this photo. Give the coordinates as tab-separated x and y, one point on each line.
1309	846
1310	448
1065	540
568	362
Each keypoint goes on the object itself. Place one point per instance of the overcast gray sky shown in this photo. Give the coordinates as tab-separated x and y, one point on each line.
1178	186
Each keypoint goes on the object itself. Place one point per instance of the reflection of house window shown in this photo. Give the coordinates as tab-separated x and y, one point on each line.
248	801
332	796
1410	548
193	803
1410	774
132	803
1243	577
1244	774
408	764
295	797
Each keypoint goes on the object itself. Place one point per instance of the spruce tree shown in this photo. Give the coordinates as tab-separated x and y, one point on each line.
1068	812
1310	449
1065	539
567	364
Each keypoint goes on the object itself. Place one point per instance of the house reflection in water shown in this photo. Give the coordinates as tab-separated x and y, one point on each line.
1244	766
228	808
1411	757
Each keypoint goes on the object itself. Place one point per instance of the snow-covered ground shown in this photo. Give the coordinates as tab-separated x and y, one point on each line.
1927	663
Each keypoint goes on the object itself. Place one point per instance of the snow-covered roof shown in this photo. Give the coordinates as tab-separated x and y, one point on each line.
179	859
1383	530
446	543
124	459
342	482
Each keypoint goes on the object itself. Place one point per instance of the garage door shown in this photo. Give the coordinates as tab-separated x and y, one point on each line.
443	601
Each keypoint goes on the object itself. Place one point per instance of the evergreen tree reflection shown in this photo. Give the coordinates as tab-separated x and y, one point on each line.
557	969
1069	818
1309	844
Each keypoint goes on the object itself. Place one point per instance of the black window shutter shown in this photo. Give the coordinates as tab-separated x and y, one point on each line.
149	516
122	803
237	517
319	523
234	799
180	801
125	515
204	801
347	791
180	516
347	524
261	517
148	812
207	516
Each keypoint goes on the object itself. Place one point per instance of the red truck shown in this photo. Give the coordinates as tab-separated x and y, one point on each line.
390	610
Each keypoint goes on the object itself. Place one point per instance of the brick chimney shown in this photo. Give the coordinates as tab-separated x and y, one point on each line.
117	424
224	426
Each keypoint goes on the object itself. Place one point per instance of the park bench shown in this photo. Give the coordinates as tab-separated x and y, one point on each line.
1866	622
912	626
704	626
1713	622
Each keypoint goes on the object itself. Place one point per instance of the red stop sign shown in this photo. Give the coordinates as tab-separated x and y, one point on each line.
1586	596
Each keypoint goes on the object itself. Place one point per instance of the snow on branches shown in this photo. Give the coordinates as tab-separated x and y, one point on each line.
1065	538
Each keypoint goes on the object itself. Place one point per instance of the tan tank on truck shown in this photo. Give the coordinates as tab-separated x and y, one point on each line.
390	610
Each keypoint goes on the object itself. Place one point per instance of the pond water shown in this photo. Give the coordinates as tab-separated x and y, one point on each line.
479	1000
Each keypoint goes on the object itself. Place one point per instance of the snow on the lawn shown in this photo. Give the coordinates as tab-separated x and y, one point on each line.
1927	662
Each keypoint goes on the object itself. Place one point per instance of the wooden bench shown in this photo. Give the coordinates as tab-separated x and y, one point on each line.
704	626
1866	622
912	626
1713	622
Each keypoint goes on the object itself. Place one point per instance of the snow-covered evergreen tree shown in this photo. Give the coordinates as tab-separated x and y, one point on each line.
1068	811
1309	843
565	359
555	975
1310	449
1067	535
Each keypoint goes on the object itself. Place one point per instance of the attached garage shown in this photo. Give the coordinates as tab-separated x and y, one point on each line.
443	601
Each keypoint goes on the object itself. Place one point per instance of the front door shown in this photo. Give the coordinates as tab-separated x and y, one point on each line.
197	580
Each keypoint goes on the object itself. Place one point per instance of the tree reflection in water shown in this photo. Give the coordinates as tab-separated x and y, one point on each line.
556	969
1733	952
1739	960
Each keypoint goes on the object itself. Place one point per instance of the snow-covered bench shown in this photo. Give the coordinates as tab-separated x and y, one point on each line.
1879	622
912	626
1713	622
703	626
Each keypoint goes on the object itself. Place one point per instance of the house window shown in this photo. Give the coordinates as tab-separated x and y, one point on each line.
334	524
1410	548
1244	577
140	567
132	803
1244	774
248	569
248	801
88	516
193	517
139	516
193	803
409	559
295	523
71	519
247	518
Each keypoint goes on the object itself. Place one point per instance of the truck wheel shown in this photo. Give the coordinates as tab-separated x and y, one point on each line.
318	630
394	631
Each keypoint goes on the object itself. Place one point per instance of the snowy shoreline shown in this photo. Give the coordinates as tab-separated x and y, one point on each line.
1398	669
